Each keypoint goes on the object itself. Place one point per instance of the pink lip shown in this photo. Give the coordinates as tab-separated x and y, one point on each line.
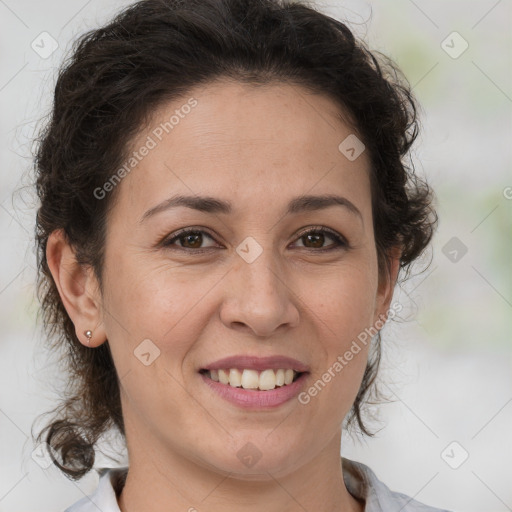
255	399
257	363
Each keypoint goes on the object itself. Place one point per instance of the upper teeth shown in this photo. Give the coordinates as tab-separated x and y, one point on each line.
252	379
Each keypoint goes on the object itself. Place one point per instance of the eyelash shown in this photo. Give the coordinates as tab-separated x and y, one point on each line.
340	241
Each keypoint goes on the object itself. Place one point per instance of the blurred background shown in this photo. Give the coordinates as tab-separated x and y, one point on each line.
446	437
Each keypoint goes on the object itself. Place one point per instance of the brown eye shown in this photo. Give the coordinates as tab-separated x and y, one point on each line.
192	241
188	239
316	238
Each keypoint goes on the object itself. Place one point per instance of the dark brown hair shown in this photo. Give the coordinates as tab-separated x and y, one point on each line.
153	52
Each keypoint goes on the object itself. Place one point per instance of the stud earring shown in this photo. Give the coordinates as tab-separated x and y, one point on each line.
88	335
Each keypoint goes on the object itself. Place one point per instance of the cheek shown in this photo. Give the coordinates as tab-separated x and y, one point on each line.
147	297
344	301
343	310
153	317
162	303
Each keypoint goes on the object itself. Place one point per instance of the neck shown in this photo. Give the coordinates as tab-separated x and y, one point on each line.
172	483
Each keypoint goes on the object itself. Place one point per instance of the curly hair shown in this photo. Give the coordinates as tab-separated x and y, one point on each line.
151	53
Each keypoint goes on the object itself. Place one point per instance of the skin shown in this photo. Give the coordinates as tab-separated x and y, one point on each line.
257	147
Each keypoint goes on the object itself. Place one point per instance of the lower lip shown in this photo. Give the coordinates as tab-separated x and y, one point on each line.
253	399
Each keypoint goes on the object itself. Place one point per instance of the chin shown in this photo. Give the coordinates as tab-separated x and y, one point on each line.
254	459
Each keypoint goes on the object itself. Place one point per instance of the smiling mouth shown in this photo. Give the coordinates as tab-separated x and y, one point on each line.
254	380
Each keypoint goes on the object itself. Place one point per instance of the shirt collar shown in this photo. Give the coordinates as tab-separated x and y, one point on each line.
363	484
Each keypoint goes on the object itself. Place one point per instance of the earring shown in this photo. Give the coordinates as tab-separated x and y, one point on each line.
88	335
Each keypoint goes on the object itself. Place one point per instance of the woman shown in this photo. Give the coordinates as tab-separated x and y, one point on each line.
225	210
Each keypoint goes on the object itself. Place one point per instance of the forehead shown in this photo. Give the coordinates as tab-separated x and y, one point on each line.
247	141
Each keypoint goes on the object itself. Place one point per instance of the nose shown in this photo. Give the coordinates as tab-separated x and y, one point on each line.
258	300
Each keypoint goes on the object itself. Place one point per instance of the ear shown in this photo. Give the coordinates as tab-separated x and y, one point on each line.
78	289
386	285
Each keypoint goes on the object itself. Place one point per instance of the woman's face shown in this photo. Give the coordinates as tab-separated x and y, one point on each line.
247	283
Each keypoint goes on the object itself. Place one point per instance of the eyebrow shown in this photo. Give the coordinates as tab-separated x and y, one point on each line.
209	204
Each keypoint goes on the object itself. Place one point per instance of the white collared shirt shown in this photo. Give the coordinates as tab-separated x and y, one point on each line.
360	480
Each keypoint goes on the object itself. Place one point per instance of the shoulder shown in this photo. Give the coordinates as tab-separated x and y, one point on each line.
363	483
104	497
